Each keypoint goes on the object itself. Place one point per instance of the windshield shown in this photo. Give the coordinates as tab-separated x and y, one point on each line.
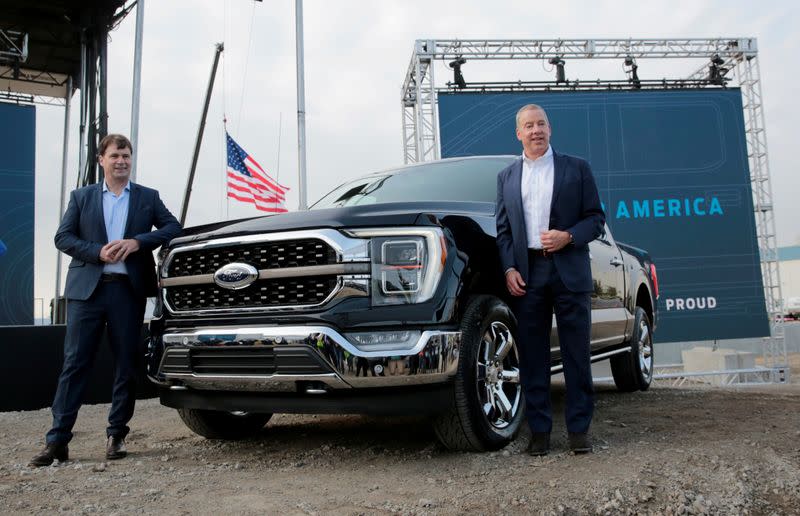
468	179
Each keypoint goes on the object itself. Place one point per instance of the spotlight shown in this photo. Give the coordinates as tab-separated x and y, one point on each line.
716	73
458	78
633	78
560	76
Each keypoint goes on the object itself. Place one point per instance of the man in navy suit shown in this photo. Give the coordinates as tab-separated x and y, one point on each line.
107	230
548	211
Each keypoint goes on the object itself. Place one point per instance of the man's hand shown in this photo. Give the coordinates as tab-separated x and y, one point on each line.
554	240
514	283
118	250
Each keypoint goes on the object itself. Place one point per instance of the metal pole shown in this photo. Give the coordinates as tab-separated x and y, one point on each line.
278	161
219	48
137	83
64	155
92	171
301	108
102	122
82	128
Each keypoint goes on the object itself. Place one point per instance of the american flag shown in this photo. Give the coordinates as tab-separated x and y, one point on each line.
248	182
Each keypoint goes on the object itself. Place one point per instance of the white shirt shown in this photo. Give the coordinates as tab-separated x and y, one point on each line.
537	194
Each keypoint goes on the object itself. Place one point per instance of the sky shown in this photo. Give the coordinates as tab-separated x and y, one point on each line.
356	56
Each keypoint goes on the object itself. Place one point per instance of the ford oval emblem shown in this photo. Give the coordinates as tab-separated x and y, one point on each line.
235	276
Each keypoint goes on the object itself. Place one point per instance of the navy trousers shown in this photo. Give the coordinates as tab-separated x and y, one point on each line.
113	305
545	294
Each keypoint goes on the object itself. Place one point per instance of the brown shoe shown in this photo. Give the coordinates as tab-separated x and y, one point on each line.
539	445
51	452
115	449
580	443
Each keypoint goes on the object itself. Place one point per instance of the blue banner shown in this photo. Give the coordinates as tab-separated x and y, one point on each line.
673	176
17	146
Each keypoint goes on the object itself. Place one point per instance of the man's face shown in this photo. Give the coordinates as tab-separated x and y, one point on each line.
533	131
116	163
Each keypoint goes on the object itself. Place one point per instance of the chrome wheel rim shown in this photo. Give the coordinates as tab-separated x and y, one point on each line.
645	345
499	389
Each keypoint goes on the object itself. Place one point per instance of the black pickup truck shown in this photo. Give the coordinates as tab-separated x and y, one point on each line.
386	297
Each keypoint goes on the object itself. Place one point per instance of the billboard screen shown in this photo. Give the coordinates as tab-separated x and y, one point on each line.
672	171
17	144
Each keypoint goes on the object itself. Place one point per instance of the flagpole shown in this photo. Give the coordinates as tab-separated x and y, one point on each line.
137	83
278	162
301	107
223	208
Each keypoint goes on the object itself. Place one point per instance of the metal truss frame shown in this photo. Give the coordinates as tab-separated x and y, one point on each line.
673	375
13	46
737	55
419	92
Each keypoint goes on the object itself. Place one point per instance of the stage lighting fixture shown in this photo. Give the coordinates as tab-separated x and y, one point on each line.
560	76
716	73
458	77
633	78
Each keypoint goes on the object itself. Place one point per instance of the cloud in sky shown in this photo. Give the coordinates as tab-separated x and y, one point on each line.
356	56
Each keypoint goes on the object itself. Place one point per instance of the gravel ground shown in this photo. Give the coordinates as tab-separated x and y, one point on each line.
666	451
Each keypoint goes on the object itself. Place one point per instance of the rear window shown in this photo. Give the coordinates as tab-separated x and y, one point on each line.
469	179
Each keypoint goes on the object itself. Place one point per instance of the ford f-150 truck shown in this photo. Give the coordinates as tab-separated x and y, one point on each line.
386	297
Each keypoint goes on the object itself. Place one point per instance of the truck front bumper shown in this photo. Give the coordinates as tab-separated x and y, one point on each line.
301	359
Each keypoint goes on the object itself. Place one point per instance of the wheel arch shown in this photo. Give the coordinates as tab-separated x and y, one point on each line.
645	300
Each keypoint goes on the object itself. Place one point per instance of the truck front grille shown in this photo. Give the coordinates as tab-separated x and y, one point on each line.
261	255
263	293
296	270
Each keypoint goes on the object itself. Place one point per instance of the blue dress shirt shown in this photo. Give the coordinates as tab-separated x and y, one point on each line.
115	214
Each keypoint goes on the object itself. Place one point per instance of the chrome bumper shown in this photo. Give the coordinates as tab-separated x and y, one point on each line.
432	358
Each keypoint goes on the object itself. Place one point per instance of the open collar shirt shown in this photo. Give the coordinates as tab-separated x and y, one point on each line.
115	216
537	194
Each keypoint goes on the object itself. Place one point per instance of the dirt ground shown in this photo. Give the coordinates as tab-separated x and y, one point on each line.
665	451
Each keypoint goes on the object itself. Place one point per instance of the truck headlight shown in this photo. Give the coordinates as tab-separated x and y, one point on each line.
158	308
407	263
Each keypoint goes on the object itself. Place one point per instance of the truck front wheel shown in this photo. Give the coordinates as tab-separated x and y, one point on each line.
232	426
633	371
487	406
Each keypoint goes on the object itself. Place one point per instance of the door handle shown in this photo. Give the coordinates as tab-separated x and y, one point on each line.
616	262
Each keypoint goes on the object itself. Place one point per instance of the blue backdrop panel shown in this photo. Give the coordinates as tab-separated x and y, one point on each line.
17	145
673	175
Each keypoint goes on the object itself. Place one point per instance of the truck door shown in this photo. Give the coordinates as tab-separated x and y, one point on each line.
609	316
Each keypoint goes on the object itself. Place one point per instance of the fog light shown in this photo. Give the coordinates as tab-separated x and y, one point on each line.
384	340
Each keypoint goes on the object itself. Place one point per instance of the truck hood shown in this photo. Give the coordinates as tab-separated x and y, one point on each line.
385	214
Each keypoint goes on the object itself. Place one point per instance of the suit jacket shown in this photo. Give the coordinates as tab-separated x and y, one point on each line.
575	208
82	234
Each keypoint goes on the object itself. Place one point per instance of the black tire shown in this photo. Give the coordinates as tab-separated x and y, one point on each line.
634	371
213	424
479	418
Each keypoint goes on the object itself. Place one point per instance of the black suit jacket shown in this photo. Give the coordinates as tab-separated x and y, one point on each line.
575	208
82	234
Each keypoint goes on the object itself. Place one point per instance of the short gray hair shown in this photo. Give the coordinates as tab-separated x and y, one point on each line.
531	107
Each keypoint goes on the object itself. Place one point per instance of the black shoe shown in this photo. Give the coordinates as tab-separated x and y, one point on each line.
115	449
51	452
539	445
580	443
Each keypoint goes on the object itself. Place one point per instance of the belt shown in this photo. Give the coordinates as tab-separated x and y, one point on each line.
113	276
538	253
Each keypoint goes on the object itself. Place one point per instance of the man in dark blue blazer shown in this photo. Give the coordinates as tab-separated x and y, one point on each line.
548	210
107	230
